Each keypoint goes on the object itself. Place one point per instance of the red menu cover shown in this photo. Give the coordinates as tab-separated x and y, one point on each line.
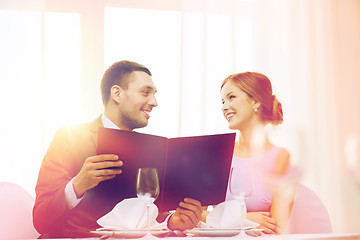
197	167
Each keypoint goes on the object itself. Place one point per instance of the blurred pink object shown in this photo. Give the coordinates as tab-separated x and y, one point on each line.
16	206
308	214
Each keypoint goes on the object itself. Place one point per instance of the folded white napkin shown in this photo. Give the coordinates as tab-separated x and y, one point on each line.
130	213
227	215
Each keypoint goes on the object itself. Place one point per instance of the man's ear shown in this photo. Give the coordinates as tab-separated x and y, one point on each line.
116	93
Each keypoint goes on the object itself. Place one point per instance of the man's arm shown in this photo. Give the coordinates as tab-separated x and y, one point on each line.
68	158
55	172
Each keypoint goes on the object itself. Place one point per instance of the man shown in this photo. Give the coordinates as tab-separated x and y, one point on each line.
66	204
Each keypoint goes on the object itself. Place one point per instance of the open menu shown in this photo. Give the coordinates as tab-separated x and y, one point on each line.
197	167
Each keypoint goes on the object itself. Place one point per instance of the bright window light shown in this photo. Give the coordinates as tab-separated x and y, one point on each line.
20	97
151	38
243	44
219	51
192	110
62	90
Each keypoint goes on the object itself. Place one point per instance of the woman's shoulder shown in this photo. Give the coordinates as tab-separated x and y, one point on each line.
282	160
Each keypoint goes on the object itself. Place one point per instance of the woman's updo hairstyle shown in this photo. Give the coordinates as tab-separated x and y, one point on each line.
258	87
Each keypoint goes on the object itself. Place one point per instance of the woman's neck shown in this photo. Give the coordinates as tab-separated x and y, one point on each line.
242	145
250	140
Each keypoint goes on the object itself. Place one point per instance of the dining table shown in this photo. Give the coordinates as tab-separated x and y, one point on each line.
317	236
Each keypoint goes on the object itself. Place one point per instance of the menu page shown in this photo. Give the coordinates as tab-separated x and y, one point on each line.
196	167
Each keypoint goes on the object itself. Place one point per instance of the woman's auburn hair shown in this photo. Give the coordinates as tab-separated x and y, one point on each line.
258	87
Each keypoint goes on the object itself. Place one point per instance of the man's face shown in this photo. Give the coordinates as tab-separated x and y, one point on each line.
137	101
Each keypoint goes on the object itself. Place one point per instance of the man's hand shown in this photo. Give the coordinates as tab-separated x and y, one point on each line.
186	216
95	170
266	222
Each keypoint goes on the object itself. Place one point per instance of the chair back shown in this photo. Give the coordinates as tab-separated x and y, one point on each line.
308	214
16	206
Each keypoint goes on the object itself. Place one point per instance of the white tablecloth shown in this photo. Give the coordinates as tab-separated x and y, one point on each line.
333	236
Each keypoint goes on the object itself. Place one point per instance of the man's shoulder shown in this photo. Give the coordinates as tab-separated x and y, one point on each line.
80	129
94	125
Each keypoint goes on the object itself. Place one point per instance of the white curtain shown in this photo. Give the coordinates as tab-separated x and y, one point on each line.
53	54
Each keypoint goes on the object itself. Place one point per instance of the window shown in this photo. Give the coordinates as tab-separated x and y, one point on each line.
152	38
54	54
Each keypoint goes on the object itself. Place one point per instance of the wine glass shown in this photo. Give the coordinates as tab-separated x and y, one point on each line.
147	189
241	188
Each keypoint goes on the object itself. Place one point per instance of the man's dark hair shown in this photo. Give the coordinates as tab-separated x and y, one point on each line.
118	74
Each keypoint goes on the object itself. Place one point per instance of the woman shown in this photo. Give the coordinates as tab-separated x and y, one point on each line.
248	103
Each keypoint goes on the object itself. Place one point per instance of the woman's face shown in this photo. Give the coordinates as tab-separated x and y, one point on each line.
238	107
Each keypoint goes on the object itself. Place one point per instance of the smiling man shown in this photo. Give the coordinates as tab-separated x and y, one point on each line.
66	204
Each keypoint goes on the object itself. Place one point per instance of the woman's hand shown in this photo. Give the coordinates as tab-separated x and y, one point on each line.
266	222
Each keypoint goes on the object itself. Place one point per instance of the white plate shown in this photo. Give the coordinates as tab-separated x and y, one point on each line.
214	232
129	233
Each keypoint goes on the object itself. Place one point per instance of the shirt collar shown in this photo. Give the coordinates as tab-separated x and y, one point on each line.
108	123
